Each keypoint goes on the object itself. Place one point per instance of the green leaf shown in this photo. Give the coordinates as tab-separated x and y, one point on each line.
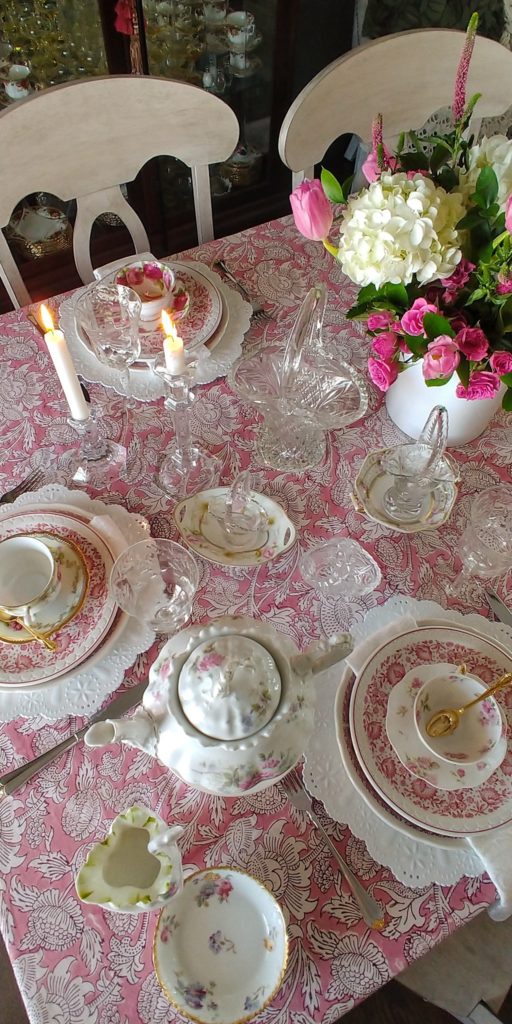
416	344
436	325
487	186
507	379
463	371
414	161
396	293
438	382
439	157
366	293
471	220
507	401
332	187
448	178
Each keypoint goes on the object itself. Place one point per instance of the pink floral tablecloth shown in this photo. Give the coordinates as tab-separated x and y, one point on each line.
80	965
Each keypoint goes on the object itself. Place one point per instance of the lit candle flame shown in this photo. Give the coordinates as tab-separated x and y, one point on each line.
46	317
168	326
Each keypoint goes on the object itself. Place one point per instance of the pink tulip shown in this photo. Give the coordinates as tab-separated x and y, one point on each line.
382	373
441	358
482	384
501	362
412	321
312	211
473	343
508	214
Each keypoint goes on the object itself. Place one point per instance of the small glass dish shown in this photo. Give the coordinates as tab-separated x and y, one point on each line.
340	568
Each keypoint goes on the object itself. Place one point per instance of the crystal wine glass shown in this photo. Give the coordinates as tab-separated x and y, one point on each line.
110	315
340	568
155	580
485	547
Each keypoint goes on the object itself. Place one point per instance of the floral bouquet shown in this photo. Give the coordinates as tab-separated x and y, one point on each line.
429	243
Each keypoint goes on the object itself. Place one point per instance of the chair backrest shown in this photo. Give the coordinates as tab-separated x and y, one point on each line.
81	140
405	77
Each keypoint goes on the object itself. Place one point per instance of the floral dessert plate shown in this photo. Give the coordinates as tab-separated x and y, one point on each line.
203	533
411	750
372	483
48	616
79	631
220	948
460	812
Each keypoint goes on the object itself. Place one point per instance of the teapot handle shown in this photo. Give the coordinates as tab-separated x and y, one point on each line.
322	655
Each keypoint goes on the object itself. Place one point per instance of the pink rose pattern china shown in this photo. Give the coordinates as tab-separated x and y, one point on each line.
79	963
197	319
449	813
32	663
411	750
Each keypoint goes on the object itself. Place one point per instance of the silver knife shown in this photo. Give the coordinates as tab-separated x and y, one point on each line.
497	607
12	781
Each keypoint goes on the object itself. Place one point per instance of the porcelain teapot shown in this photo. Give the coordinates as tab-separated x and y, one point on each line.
229	705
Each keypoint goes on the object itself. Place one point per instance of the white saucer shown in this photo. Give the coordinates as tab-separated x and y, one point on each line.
413	753
373	481
49	616
220	947
204	535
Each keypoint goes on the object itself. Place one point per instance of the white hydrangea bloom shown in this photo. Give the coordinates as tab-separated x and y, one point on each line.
495	152
399	227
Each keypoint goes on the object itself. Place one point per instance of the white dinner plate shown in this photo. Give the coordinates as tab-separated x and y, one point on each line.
220	947
31	664
461	813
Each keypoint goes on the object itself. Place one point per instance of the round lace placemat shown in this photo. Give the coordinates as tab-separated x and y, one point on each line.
144	384
415	858
91	684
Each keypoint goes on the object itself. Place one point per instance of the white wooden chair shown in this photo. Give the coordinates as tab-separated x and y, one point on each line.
405	77
83	139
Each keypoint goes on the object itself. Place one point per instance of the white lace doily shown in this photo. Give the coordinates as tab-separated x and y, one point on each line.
91	684
144	384
416	859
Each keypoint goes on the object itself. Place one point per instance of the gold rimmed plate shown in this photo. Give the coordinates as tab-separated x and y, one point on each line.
221	947
79	622
204	535
49	616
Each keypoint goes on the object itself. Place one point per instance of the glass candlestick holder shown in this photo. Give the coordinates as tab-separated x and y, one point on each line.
186	467
97	458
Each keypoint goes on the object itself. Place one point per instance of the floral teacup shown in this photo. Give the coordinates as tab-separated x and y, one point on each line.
28	574
153	283
479	729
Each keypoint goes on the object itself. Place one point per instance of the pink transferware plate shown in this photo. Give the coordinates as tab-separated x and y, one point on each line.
196	328
28	664
461	813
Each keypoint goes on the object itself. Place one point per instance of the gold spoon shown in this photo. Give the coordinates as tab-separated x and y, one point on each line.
44	640
444	722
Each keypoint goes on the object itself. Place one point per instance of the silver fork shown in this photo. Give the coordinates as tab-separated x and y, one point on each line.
259	314
30	483
372	911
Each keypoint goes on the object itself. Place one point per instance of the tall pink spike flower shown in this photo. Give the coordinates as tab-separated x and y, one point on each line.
377	142
459	94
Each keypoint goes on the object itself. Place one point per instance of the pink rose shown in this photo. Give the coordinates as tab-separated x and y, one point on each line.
508	214
153	272
312	211
134	275
504	287
460	275
473	343
371	169
385	344
481	385
379	321
412	321
441	358
501	362
382	373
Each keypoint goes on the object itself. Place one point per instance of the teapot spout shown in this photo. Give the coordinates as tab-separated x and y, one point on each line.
137	731
322	655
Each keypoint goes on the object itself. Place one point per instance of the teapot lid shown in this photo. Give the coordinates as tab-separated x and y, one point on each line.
229	687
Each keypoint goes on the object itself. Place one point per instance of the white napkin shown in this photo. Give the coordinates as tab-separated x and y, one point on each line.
366	648
110	531
495	852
